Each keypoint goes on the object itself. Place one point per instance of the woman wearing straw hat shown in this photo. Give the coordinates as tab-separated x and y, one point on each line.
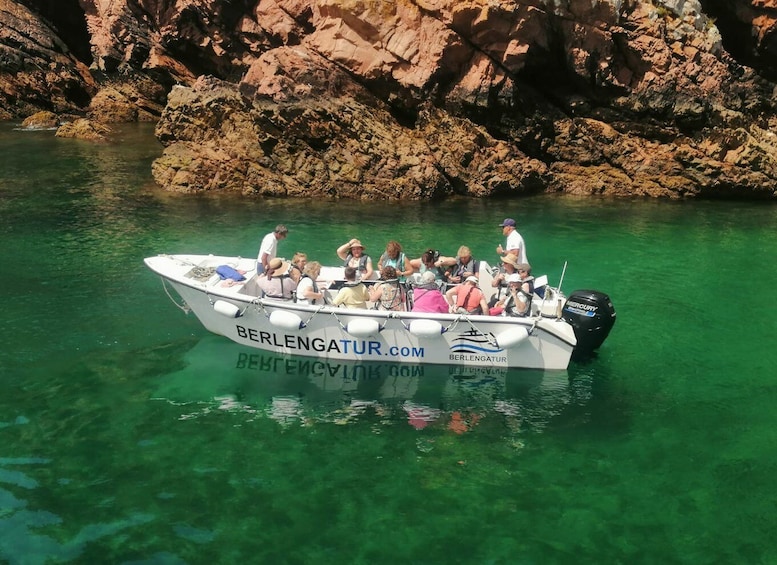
509	266
518	302
277	282
352	253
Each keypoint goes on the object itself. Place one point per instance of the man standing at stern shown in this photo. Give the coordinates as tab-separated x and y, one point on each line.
515	245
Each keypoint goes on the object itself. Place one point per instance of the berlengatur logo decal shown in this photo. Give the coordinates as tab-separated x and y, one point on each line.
473	341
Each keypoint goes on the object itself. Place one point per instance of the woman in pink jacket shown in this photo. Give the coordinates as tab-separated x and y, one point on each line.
427	296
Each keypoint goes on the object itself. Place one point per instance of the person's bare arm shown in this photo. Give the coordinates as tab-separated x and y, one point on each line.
376	292
342	251
369	270
408	268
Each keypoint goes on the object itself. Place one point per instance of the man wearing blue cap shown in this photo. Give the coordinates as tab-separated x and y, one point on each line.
514	244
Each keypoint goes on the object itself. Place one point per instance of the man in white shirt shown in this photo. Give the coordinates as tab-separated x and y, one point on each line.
269	248
515	244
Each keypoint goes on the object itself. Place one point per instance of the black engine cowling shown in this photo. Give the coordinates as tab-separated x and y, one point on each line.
592	315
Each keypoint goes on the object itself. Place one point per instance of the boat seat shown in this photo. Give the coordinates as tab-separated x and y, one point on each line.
539	285
249	286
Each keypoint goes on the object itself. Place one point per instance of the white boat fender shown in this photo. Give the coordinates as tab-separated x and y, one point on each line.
284	320
425	328
226	309
363	327
512	337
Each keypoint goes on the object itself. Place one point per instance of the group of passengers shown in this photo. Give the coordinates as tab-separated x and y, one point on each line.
430	283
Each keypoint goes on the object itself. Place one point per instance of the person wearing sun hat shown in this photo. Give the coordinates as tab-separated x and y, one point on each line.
509	266
518	302
353	255
427	296
514	245
277	282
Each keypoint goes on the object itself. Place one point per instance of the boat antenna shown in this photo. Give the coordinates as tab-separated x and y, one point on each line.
558	290
563	272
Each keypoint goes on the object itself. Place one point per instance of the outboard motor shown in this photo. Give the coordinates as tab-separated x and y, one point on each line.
592	315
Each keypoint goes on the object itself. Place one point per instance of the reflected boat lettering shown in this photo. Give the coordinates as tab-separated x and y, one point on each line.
305	391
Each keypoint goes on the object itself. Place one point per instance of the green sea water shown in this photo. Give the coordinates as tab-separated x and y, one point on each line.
129	434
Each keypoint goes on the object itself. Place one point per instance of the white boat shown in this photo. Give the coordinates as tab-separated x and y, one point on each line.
557	328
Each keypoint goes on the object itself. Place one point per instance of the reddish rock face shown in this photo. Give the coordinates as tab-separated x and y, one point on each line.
416	98
37	71
341	147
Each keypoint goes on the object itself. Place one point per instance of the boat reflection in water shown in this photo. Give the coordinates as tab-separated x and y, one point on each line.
219	375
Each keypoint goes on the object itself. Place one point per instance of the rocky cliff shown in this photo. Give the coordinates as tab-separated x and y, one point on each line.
416	99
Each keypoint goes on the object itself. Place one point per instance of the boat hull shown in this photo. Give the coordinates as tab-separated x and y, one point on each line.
368	335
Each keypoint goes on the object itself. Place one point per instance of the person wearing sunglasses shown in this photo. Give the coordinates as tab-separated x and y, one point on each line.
520	292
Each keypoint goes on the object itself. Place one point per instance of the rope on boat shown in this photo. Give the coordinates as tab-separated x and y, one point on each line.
306	322
339	323
447	328
491	338
342	327
260	309
184	308
177	258
241	312
345	327
198	272
183	261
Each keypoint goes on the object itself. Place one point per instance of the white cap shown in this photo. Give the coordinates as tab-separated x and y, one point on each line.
472	279
514	278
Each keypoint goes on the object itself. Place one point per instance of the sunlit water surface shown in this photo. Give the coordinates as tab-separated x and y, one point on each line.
128	434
